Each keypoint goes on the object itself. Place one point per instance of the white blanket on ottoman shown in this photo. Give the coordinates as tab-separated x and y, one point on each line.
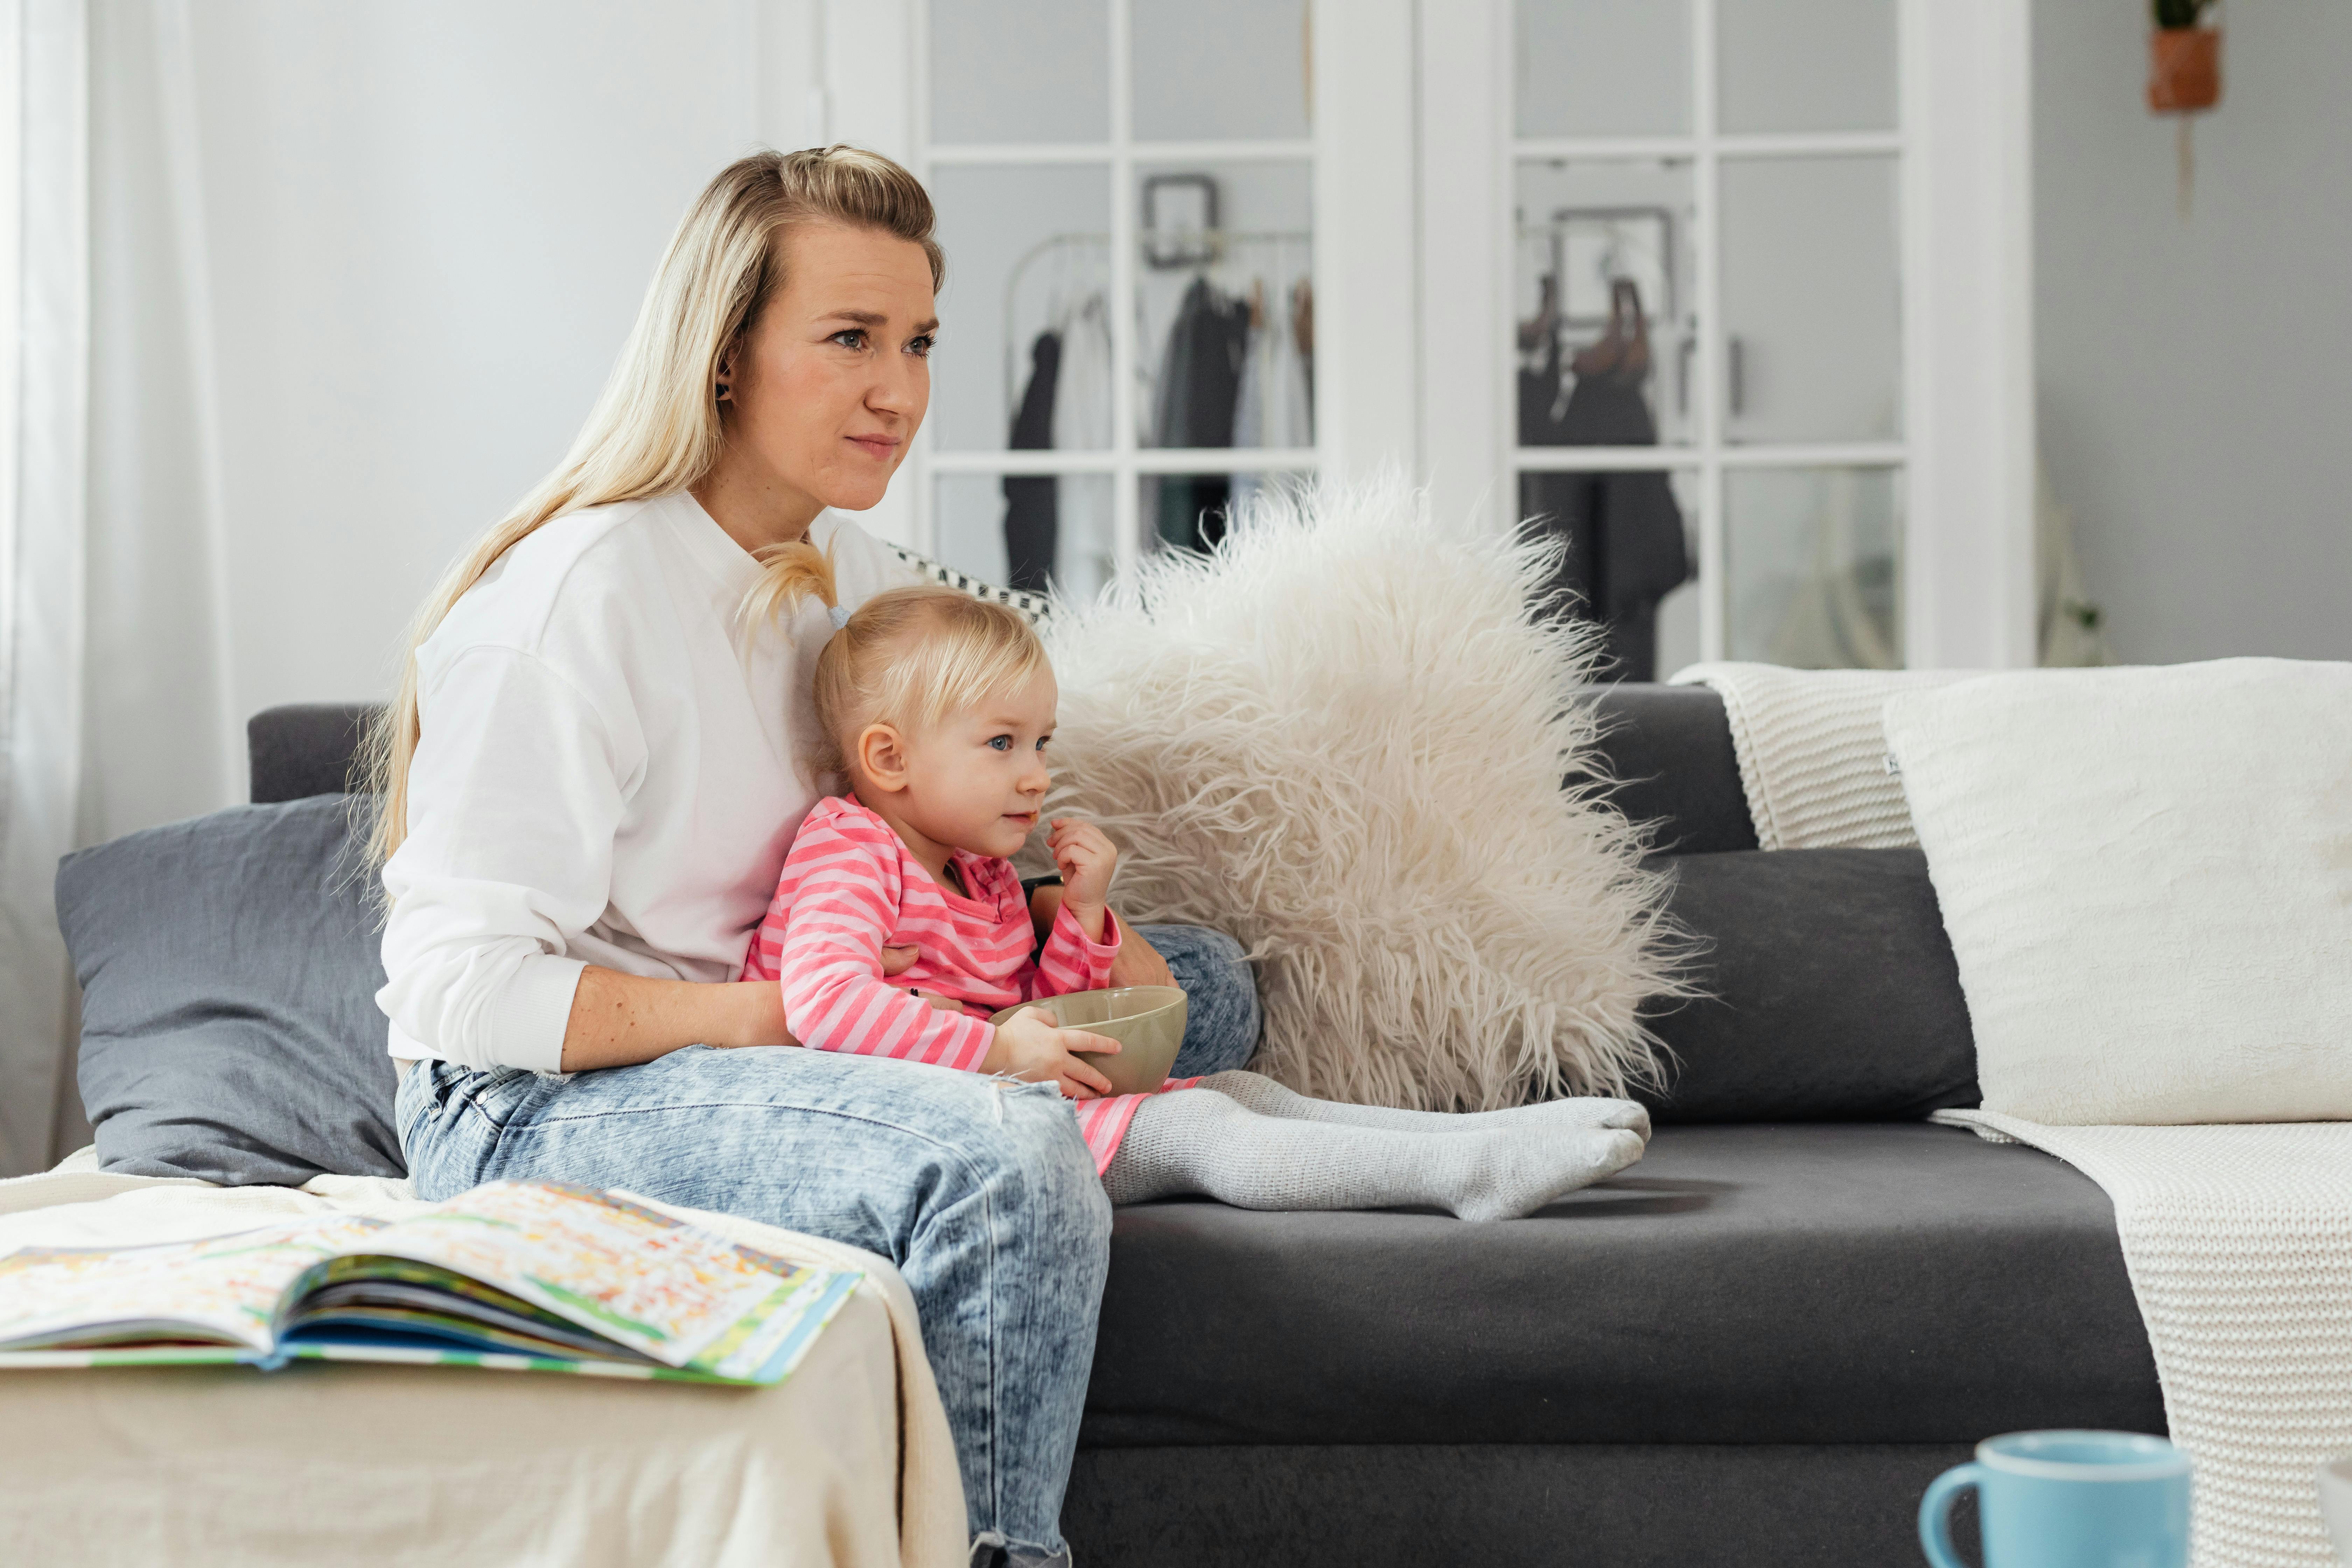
2239	1240
848	1462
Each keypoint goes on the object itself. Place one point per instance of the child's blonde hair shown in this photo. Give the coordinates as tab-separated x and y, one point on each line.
906	656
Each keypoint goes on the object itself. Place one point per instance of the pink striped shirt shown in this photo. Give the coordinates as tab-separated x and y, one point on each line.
850	889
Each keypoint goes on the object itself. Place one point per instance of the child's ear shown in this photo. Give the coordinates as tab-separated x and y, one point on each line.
882	756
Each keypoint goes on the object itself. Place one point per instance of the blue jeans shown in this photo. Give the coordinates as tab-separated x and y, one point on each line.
978	1189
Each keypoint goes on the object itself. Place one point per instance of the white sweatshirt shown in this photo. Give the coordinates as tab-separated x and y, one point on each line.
608	772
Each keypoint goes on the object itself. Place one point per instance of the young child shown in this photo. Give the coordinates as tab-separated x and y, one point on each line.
936	707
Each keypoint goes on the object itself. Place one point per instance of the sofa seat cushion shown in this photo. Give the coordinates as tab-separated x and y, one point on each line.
1791	1283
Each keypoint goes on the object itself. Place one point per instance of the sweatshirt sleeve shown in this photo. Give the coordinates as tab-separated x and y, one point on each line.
515	795
1069	960
839	892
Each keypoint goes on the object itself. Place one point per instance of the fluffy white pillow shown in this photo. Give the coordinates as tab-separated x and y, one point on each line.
2147	875
1342	739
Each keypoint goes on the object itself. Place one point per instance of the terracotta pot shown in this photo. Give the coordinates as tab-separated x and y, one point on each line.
2184	69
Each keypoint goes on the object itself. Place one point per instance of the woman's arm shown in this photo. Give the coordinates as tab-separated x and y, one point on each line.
618	1020
1137	964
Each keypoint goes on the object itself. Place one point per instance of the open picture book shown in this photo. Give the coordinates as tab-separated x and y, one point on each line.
521	1276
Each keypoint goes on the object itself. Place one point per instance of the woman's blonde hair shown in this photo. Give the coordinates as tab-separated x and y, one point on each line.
910	658
656	429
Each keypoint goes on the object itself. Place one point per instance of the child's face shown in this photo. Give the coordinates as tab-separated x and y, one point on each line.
977	779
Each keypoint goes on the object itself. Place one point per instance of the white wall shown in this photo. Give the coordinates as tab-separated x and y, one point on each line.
430	225
2196	377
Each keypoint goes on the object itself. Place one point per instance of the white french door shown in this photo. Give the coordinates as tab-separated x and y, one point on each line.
1822	207
1817	210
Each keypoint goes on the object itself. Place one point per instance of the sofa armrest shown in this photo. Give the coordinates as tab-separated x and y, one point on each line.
305	748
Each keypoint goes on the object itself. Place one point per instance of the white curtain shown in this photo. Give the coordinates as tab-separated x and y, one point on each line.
44	427
112	714
161	740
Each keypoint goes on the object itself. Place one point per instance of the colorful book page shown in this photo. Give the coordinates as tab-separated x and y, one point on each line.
223	1288
629	1273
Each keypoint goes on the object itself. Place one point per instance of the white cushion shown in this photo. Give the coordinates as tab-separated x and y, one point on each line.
2147	875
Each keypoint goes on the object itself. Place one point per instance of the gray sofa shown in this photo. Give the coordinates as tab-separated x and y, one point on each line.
1756	1346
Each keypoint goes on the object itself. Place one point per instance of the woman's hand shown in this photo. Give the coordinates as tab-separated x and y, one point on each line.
1085	859
1029	1045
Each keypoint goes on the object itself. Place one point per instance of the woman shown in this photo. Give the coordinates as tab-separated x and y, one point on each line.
591	777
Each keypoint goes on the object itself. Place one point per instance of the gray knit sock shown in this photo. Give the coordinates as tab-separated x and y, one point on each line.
1267	1097
1196	1142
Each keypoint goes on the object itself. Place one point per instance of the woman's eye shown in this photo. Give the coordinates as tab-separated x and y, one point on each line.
851	338
921	347
1000	742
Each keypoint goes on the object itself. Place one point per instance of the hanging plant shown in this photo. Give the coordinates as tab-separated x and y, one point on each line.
2184	59
2184	75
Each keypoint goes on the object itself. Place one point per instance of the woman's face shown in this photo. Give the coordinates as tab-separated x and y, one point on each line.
832	381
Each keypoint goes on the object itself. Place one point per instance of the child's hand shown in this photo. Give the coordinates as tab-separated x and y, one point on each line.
1085	859
1028	1046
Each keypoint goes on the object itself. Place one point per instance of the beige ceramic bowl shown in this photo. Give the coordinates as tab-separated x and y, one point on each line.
2336	1502
1148	1022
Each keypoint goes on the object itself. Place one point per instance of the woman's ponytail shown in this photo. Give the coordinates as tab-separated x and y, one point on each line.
788	574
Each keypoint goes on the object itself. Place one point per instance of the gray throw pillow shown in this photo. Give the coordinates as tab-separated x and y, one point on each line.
228	970
1831	991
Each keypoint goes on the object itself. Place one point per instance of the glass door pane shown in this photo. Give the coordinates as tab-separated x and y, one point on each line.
1191	512
1028	530
1225	305
1603	68
1629	542
1028	260
1811	301
1814	558
1806	65
1604	317
1219	70
1036	71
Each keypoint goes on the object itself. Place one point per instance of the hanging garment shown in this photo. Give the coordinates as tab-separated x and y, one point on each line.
1272	407
1031	524
1200	382
1626	550
1087	553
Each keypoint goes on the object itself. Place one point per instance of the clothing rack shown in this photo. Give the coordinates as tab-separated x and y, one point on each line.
1221	243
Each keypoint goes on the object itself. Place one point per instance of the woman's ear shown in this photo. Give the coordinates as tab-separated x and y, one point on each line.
881	757
723	378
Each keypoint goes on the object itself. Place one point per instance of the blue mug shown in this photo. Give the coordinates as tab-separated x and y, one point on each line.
2068	1500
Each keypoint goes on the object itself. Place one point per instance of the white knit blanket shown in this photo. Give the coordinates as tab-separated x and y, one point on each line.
2239	1241
1812	746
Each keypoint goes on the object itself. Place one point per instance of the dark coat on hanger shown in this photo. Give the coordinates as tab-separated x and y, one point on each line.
1200	382
1031	517
1623	530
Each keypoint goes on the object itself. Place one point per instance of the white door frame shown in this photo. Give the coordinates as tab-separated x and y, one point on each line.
1970	595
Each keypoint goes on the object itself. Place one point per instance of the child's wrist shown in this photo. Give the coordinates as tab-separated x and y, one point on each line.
1093	918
